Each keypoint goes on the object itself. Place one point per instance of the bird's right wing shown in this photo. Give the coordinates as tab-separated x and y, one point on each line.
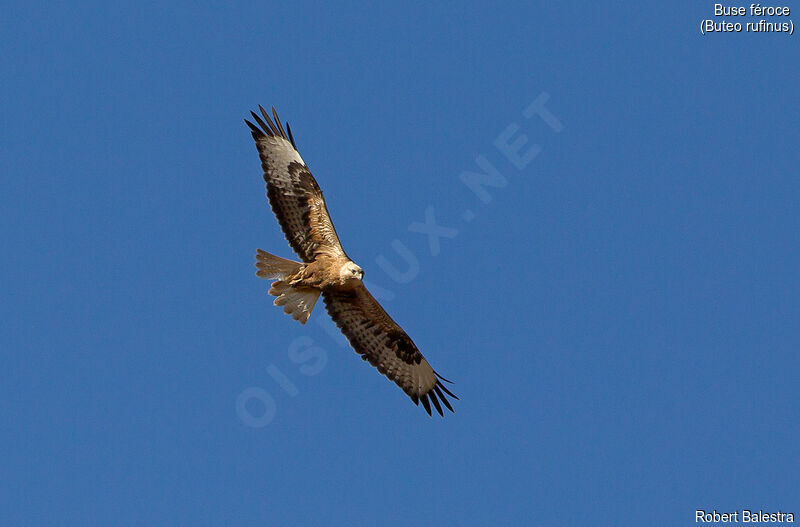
293	193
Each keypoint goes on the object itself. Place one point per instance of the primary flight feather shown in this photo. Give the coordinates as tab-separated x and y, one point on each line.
326	270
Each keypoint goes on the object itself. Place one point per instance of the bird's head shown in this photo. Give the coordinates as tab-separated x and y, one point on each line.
350	271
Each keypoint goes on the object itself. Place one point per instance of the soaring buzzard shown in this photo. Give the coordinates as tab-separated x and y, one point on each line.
298	204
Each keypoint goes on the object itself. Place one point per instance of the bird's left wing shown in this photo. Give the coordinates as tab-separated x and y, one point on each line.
293	193
382	342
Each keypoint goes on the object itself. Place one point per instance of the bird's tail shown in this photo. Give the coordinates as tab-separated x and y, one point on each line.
275	267
297	301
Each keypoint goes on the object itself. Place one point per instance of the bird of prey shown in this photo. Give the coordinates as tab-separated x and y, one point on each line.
297	202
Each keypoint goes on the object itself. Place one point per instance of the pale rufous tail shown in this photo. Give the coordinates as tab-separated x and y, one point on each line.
275	267
297	301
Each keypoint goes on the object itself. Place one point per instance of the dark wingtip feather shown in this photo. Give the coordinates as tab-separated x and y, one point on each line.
255	130
435	402
278	122
442	378
443	398
448	392
270	128
267	129
426	404
269	120
262	124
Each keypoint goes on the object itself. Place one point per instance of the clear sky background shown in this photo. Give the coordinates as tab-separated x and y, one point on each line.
619	315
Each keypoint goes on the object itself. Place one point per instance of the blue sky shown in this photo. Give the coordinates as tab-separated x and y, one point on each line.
619	312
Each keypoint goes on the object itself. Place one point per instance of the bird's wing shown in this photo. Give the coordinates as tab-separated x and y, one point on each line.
383	343
293	193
